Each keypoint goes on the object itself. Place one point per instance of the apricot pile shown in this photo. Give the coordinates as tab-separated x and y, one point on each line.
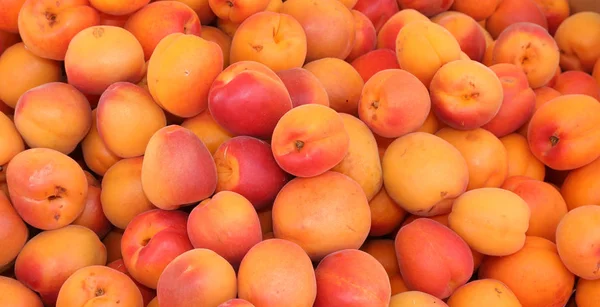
300	153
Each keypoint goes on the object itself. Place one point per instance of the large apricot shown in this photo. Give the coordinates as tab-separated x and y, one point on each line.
95	154
484	292
521	161
556	11
378	11
419	187
582	186
509	12
468	33
13	293
365	36
375	61
304	87
386	36
577	82
13	232
11	142
579	50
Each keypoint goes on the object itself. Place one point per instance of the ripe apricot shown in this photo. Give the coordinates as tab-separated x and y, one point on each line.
579	50
580	187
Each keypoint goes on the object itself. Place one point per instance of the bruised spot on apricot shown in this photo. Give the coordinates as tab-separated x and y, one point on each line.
98	32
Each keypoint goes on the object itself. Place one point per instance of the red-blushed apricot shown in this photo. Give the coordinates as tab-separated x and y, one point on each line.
47	27
8	39
467	32
362	162
91	179
54	115
419	187
112	242
322	214
245	165
579	50
535	274
581	186
147	293
469	101
13	232
542	95
587	292
10	15
422	47
191	175
127	117
49	258
556	11
394	103
317	15
226	224
428	8
95	154
378	11
521	161
122	196
47	188
365	36
118	57
23	70
518	102
206	128
564	132
177	79
485	155
375	61
248	87
151	241
425	245
577	237
98	284
236	302
92	215
304	87
273	39
216	35
158	19
386	36
237	11
478	10
118	8
484	292
357	288
545	202
199	277
202	9
492	221
310	140
416	298
341	81
531	48
11	142
509	12
277	272
13	293
577	82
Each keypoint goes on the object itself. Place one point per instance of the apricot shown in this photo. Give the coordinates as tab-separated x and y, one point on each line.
11	143
13	232
199	277
274	6
216	35
422	47
394	103
206	128
542	95
14	293
580	187
126	119
226	224
492	221
384	251
509	12
518	102
57	195
236	302
151	241
178	80
577	82
424	189
378	11
375	61
521	161
122	195
277	272
432	124
587	292
366	36
49	258
118	57
248	87
95	154
559	125
467	32
310	140
112	241
469	101
237	11
358	289
322	214
228	27
245	165
417	298
157	20
23	70
535	274
556	11
315	16
577	240
202	9
98	284
478	10
118	8
92	215
273	39
10	14
54	115
147	293
304	87
386	36
484	292
418	248
579	50
488	56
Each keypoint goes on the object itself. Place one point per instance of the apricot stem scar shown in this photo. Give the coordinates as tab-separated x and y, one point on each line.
554	140
299	144
99	292
375	104
230	3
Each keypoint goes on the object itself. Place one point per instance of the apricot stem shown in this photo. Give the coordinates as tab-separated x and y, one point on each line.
375	104
554	140
299	145
230	3
99	292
